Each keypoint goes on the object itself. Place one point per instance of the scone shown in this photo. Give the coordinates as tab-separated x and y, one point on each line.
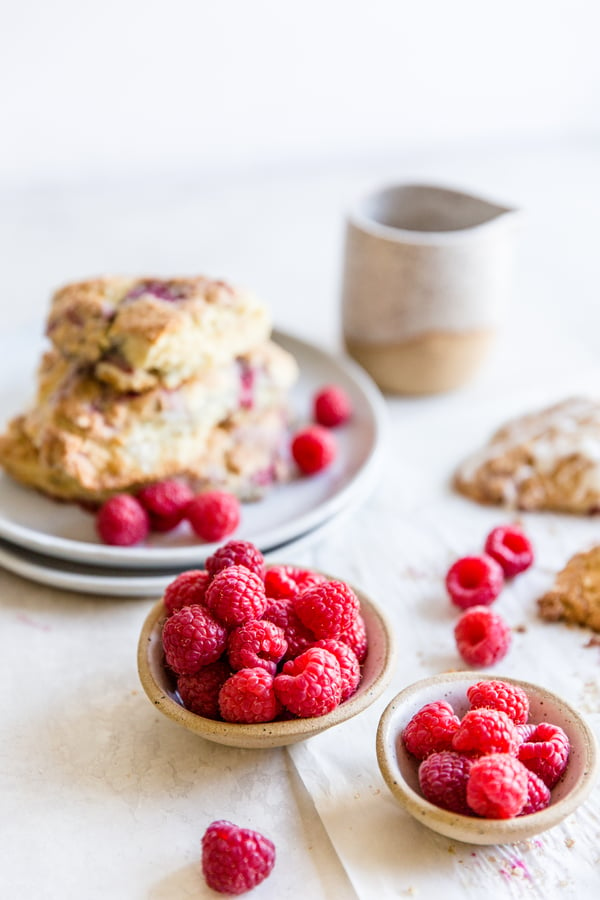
139	333
575	596
547	460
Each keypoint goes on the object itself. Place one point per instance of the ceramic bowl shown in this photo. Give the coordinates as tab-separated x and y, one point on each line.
399	768
158	684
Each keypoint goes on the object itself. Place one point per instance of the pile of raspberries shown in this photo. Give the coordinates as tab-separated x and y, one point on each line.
493	762
250	644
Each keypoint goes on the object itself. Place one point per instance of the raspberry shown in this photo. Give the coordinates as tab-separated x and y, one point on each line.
257	643
510	547
122	521
538	795
311	684
497	786
431	729
486	731
248	696
482	636
235	860
356	638
349	667
332	406
313	449
192	639
443	780
200	692
236	595
188	589
165	503
474	581
236	553
304	578
328	609
278	583
546	752
498	695
213	515
297	635
525	731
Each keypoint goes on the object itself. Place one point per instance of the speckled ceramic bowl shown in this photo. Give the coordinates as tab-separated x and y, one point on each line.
400	769
159	687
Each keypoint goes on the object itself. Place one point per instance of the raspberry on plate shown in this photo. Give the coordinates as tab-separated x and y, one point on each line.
431	729
443	780
200	692
497	786
299	638
213	515
236	595
510	547
311	684
248	697
192	638
538	794
257	643
188	589
510	698
328	609
482	636
474	581
332	406
313	449
349	666
486	731
546	752
165	503
122	521
235	860
236	553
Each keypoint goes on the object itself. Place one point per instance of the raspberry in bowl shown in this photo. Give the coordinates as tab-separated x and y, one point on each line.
487	776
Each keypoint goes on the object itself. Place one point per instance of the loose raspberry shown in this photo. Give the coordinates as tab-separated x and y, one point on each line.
311	684
213	515
328	609
122	521
313	449
235	860
356	638
279	585
349	666
165	503
482	636
299	638
248	696
236	553
510	547
332	406
546	752
188	589
192	638
497	786
200	692
257	643
474	581
443	780
538	795
486	731
431	729
236	595
499	695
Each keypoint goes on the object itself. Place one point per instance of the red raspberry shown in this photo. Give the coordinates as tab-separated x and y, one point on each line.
311	684
356	638
248	696
200	692
525	731
122	521
349	666
474	581
538	795
443	780
297	635
482	636
235	860
188	589
278	584
165	503
257	643
236	595
510	547
499	695
332	406
431	729
313	449
213	515
497	786
192	639
328	609
304	578
486	731
236	553
546	752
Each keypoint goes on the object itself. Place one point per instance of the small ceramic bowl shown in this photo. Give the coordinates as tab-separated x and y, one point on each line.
160	689
399	768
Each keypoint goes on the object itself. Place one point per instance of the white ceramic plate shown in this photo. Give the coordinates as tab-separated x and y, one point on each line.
64	531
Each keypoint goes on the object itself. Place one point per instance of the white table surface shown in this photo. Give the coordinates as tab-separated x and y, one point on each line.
102	796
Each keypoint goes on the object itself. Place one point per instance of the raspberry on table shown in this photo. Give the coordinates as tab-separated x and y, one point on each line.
474	581
188	589
192	638
497	786
313	449
486	731
236	553
510	547
538	794
482	636
332	406
235	860
311	684
356	638
431	729
165	503
299	638
349	665
200	692
443	780
122	521
248	697
510	698
546	752
213	515
328	609
236	595
257	643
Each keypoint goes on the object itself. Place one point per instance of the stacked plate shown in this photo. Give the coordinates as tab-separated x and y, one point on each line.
56	544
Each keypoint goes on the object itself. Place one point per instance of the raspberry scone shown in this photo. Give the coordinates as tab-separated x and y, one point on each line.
575	596
547	460
138	333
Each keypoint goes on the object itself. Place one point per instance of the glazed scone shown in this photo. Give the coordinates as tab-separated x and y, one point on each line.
547	460
575	596
142	332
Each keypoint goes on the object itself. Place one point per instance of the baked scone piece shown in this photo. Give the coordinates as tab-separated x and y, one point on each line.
547	460
575	596
142	332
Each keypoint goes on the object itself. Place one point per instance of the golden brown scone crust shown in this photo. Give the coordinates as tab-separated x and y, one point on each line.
575	596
